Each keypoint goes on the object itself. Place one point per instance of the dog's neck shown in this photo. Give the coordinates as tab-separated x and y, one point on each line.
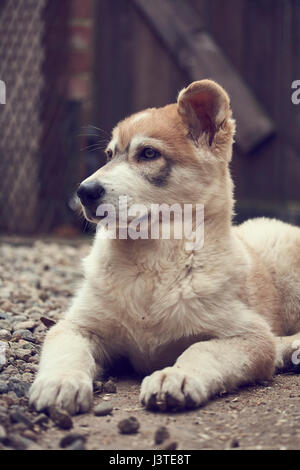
152	253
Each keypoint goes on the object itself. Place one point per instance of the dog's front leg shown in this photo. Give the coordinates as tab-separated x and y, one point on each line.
66	371
208	368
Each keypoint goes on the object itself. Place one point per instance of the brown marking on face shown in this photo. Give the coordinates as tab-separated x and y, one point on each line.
167	125
163	124
160	178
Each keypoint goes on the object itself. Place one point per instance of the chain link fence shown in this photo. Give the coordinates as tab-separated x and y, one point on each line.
39	125
21	57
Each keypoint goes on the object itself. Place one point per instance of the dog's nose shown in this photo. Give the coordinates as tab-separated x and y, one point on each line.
90	192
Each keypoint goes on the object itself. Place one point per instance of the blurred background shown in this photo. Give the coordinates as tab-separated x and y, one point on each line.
73	68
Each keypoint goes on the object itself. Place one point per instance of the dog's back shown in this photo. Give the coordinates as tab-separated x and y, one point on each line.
277	245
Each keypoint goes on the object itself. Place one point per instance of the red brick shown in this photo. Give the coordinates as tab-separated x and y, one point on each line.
81	36
79	88
82	8
80	62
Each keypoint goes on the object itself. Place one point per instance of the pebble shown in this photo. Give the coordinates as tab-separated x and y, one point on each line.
5	335
23	354
47	322
24	334
24	325
2	433
170	445
109	387
5	316
161	434
27	377
129	425
103	409
3	354
3	387
97	386
41	420
5	325
76	445
4	418
234	443
60	417
18	416
30	435
19	387
71	438
33	368
7	306
18	442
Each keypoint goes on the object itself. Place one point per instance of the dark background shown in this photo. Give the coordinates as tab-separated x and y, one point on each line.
73	64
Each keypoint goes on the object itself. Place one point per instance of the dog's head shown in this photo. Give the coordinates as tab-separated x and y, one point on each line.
175	154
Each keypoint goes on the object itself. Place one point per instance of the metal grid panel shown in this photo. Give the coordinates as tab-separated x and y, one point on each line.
21	57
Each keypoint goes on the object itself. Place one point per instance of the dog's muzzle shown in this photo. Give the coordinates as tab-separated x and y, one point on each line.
90	194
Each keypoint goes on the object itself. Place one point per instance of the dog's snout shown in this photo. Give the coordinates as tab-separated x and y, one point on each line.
90	192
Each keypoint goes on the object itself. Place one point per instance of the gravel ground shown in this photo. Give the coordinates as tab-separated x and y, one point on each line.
37	280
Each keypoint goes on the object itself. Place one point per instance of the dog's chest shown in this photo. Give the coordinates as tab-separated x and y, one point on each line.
149	311
146	296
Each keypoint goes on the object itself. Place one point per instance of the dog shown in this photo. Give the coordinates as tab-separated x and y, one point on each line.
194	322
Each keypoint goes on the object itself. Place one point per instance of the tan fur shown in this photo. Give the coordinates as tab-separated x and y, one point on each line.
198	322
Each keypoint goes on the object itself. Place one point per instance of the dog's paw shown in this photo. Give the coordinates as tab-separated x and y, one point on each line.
73	393
173	389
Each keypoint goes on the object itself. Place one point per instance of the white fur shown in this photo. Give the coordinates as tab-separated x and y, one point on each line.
199	322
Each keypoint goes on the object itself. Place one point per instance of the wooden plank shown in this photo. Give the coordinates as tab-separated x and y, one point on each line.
198	55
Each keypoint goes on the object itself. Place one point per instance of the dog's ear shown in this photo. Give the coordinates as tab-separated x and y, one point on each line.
203	106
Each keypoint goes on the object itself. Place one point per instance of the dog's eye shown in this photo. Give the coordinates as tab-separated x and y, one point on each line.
149	153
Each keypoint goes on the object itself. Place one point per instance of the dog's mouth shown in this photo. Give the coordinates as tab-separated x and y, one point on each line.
116	219
90	213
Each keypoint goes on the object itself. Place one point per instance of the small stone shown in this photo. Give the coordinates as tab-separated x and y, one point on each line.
5	325
24	325
234	443
129	425
44	297
5	316
5	335
103	409
98	386
170	445
18	416
109	387
7	306
17	442
23	354
69	439
4	418
3	387
19	387
47	322
18	427
76	445
24	334
3	354
27	377
2	433
60	417
33	368
30	435
41	420
161	435
34	446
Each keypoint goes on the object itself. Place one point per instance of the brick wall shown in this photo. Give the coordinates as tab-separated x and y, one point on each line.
81	51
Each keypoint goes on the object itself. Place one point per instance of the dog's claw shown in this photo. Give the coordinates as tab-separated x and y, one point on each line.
171	389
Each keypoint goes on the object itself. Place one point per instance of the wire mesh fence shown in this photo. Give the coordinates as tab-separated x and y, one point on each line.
21	56
39	125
